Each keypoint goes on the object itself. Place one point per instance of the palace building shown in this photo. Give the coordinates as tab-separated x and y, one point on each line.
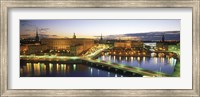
128	44
74	45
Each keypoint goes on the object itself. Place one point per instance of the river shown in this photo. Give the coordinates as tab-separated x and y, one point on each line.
157	64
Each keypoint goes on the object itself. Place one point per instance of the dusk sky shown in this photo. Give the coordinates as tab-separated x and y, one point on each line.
90	28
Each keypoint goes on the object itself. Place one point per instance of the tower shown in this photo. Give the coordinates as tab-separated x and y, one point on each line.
163	38
74	36
101	37
37	36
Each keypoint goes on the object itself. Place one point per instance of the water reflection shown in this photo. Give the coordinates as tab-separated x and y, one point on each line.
161	64
91	71
47	69
114	58
36	67
144	59
131	59
74	67
155	60
50	68
62	70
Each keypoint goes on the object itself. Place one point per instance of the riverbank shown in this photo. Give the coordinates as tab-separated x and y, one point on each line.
177	66
176	70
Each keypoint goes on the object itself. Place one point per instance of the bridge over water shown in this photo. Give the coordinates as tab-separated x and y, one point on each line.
120	68
112	67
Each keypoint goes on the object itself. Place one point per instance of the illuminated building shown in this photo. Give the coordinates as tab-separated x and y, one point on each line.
119	44
137	44
162	46
65	43
37	48
74	45
56	43
23	49
76	49
128	44
150	46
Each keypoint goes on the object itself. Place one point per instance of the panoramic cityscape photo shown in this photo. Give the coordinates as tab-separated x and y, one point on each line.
100	48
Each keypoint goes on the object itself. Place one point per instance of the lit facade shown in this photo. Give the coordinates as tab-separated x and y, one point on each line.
56	43
137	44
75	46
161	46
76	49
23	49
62	43
128	44
37	48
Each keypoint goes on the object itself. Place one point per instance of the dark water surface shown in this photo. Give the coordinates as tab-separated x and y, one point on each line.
62	70
157	64
48	69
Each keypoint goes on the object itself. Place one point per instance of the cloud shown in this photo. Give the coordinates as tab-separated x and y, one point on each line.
149	36
27	23
48	36
30	35
24	35
29	30
44	30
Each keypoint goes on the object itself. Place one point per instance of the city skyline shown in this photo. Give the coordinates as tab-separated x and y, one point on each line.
122	48
92	28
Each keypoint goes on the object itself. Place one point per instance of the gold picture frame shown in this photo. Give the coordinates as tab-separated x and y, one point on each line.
6	4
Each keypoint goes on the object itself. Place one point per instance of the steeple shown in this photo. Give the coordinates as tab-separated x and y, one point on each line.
101	37
74	36
37	36
163	38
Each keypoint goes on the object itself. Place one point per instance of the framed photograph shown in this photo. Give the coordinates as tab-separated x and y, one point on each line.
99	48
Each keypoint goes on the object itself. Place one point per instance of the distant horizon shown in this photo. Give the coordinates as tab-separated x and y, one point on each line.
94	28
100	35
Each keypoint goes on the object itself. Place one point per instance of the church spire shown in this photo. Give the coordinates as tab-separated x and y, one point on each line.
163	38
101	37
37	36
74	36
